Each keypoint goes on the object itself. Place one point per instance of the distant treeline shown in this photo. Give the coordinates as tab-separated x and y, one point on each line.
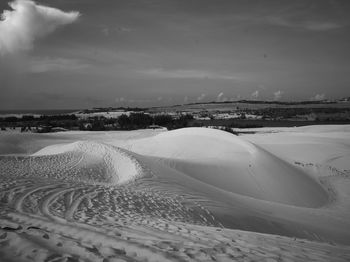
134	121
141	120
327	113
98	123
24	118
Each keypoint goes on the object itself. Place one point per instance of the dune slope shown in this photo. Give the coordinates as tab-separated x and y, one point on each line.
234	165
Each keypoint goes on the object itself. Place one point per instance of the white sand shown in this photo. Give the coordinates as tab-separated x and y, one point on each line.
230	163
165	196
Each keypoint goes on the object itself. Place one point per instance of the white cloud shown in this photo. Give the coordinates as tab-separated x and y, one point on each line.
318	97
28	21
124	29
255	94
120	99
277	95
201	97
186	99
195	74
221	98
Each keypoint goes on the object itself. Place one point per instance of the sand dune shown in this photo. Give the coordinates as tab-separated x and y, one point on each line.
234	165
82	161
119	166
181	195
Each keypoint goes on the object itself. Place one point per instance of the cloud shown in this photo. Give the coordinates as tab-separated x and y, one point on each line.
28	21
255	94
194	74
124	29
107	31
221	98
318	97
277	95
47	64
292	21
201	97
120	100
321	26
305	25
125	101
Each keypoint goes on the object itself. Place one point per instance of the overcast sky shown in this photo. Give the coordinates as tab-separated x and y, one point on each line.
86	53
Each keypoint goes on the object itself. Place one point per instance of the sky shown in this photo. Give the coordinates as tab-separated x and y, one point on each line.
91	53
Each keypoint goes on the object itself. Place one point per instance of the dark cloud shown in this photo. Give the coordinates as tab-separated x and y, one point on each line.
141	50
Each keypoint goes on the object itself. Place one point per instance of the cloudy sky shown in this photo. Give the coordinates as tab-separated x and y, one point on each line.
86	53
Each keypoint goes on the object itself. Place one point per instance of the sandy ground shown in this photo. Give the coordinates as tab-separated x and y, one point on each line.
281	194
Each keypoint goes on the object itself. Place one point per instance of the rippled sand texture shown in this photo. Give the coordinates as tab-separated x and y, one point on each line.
186	195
